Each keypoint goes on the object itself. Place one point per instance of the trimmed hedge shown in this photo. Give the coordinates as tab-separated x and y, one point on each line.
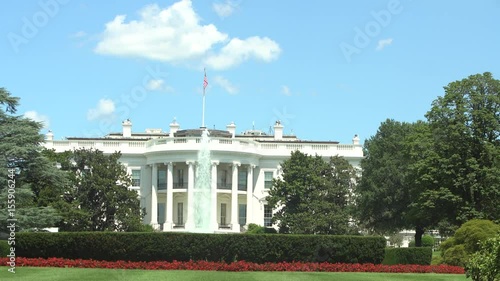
259	248
4	248
413	255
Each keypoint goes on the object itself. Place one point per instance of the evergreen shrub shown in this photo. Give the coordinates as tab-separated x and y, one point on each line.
412	255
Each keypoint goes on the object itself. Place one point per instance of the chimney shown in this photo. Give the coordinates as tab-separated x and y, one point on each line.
278	130
49	136
355	140
127	128
231	128
174	127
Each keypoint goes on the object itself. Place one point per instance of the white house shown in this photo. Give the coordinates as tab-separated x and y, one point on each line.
163	170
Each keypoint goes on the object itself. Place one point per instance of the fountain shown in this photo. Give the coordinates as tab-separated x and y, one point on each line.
202	195
202	189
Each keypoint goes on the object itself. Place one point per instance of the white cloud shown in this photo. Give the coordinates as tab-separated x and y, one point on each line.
104	109
285	90
172	34
224	9
33	115
238	51
225	84
175	35
383	43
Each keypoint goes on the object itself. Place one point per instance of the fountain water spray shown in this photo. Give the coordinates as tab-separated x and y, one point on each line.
202	188
202	196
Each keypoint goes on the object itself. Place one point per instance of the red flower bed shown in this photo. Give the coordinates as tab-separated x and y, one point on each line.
236	266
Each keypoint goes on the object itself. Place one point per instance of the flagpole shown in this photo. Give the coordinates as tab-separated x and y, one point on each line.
203	110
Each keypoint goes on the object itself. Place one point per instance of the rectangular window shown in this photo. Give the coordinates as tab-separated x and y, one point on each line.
223	179
223	214
162	179
180	179
180	214
242	180
268	215
242	213
136	177
268	180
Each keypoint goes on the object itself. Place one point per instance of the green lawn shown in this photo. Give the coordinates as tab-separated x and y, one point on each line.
63	274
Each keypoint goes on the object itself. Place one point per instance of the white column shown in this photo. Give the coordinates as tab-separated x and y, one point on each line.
249	193
154	197
213	203
190	198
235	226
167	226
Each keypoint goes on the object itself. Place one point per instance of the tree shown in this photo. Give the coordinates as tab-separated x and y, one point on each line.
437	174
64	197
382	198
387	190
465	125
387	197
98	198
313	196
23	170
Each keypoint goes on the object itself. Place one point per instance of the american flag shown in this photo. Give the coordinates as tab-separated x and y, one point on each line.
205	81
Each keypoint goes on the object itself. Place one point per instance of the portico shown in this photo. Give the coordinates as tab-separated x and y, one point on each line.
173	187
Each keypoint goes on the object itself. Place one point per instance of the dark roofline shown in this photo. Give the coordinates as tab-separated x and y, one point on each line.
257	140
199	132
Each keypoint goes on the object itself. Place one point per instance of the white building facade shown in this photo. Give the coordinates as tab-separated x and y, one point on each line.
163	170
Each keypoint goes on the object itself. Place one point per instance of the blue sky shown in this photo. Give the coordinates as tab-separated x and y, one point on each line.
326	69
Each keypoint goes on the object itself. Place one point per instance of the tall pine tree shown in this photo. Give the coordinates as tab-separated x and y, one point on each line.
23	170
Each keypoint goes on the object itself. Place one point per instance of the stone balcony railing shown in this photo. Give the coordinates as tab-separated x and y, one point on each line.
216	144
108	146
